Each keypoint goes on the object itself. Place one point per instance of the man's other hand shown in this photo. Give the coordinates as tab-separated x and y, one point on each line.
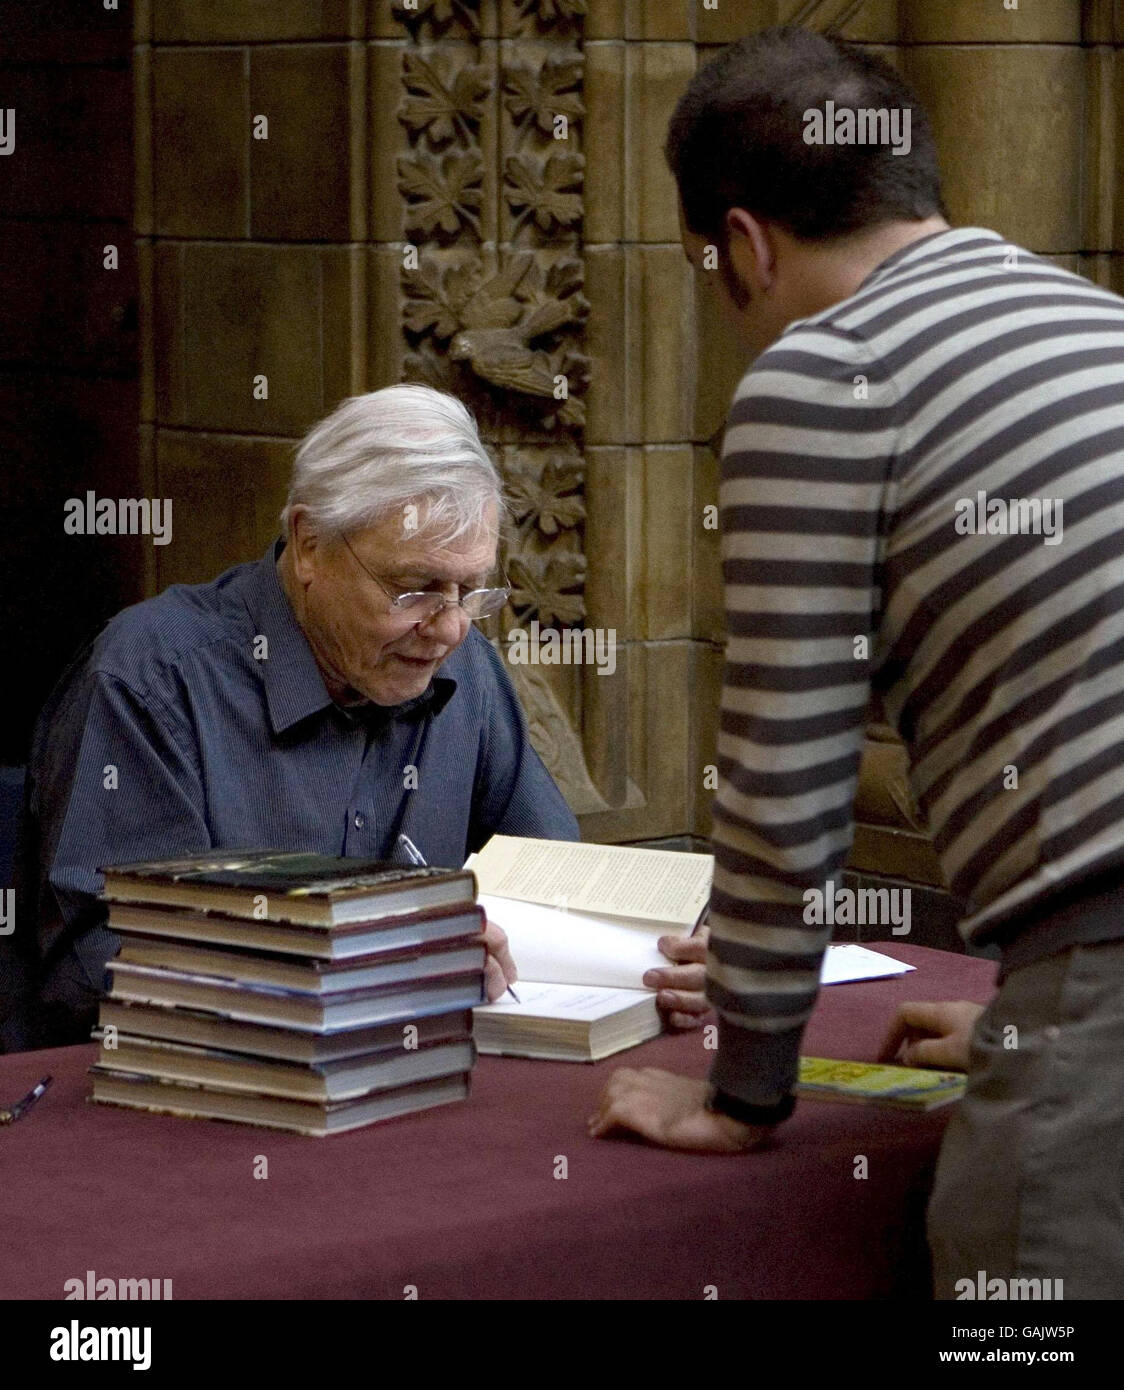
931	1035
499	968
671	1111
681	999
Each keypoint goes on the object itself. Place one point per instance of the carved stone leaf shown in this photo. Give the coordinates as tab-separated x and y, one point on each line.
461	283
576	368
542	188
428	303
550	500
439	100
570	412
438	12
533	278
562	503
566	276
442	193
548	11
539	584
540	94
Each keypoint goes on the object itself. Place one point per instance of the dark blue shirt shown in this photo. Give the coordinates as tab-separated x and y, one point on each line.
179	729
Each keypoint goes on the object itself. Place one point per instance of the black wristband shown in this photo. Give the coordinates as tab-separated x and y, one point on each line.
747	1114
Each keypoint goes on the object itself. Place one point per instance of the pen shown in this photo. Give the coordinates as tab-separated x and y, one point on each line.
411	851
21	1107
415	856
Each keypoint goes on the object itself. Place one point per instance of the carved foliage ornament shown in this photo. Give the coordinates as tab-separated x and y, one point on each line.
540	586
546	189
442	99
443	193
544	559
548	500
553	11
506	326
538	95
501	326
439	14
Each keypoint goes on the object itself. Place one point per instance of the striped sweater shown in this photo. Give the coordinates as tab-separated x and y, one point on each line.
922	499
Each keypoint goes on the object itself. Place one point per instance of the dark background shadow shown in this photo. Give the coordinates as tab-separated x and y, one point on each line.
69	373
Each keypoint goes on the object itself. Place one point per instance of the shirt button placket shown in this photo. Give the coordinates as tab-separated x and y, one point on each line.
355	839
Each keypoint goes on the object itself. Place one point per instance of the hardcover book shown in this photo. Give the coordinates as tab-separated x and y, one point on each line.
289	886
302	1116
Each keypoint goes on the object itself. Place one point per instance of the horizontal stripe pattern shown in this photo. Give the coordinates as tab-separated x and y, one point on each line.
962	365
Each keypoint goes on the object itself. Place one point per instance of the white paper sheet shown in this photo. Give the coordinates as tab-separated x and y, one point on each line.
576	948
845	962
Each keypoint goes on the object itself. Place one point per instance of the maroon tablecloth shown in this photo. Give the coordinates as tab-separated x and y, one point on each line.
463	1202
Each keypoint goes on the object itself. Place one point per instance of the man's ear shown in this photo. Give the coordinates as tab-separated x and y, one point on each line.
306	546
751	250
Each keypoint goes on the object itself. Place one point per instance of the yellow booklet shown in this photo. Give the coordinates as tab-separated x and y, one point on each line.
878	1083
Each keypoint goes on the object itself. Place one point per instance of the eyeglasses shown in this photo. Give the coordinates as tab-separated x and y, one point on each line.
422	605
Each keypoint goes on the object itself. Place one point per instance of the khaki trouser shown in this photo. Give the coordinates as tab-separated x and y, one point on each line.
1030	1181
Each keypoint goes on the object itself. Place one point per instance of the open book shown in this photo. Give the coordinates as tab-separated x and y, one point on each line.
584	922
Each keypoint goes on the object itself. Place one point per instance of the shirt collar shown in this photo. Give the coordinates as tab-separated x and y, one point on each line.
294	687
950	239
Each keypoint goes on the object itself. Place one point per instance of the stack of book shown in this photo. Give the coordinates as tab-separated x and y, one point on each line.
292	990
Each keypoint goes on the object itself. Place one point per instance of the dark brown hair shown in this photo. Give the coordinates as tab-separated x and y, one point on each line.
737	140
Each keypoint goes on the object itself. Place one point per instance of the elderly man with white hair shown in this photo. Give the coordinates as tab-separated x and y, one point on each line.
329	697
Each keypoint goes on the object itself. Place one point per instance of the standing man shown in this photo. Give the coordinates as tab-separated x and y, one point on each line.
923	499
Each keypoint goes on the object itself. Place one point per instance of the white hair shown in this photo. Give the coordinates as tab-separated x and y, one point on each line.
377	454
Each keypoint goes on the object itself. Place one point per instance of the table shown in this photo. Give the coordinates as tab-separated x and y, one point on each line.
463	1201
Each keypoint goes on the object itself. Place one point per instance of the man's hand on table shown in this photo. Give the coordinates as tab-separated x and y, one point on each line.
681	999
931	1035
499	967
670	1111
